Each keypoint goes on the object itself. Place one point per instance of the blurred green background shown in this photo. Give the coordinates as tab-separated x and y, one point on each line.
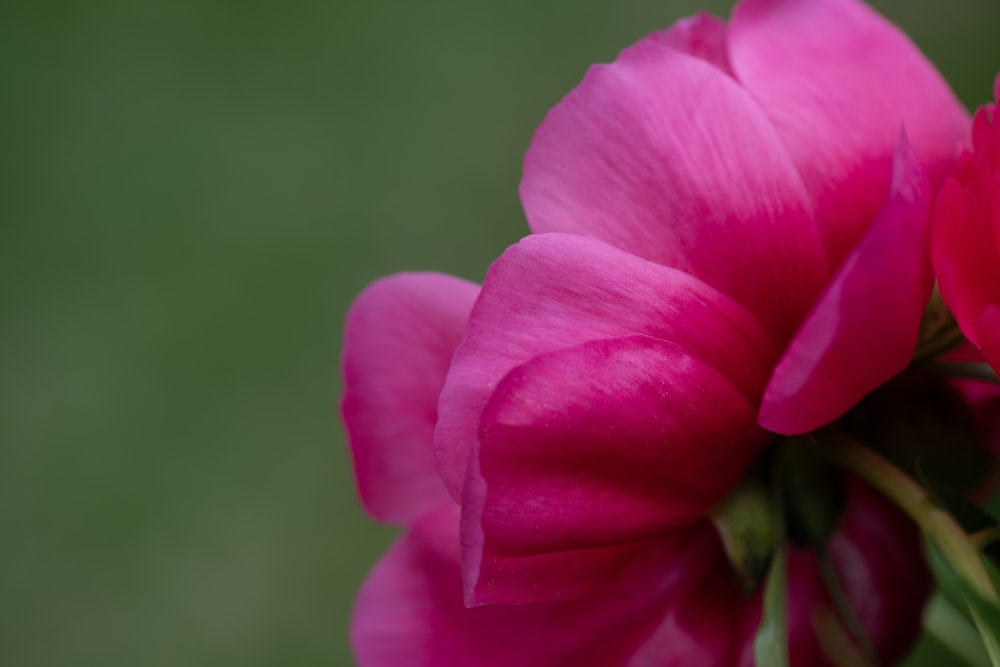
192	192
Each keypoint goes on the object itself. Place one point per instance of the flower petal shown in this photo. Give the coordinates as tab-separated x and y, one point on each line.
586	455
965	256
965	239
702	36
410	611
864	328
838	81
398	342
664	155
553	291
705	631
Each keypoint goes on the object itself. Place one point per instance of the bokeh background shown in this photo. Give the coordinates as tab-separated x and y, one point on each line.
191	193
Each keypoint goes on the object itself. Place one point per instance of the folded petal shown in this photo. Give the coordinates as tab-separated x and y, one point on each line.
553	291
587	454
665	155
864	328
838	81
965	239
399	339
410	611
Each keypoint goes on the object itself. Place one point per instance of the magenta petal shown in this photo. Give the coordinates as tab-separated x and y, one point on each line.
588	453
705	631
864	328
965	256
838	81
664	155
410	611
553	291
400	336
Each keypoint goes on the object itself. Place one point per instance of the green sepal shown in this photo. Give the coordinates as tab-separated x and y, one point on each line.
750	527
770	645
984	615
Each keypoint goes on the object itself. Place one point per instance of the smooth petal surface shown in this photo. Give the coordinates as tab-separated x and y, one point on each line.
588	453
553	291
664	155
875	552
966	243
965	257
838	81
410	611
864	328
399	339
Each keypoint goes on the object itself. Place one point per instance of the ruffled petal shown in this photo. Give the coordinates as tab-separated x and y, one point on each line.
399	339
553	291
864	328
589	453
838	81
664	155
410	611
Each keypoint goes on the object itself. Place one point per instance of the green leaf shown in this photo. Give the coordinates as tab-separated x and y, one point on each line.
985	615
770	646
970	516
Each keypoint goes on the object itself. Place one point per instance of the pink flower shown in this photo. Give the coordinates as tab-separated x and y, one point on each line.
732	236
966	237
750	247
676	604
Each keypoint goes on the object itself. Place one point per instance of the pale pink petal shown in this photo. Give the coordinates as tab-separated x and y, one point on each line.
864	328
702	36
664	155
838	81
552	291
410	611
875	551
588	453
399	339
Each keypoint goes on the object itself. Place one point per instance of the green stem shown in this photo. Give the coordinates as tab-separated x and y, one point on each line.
936	523
986	537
